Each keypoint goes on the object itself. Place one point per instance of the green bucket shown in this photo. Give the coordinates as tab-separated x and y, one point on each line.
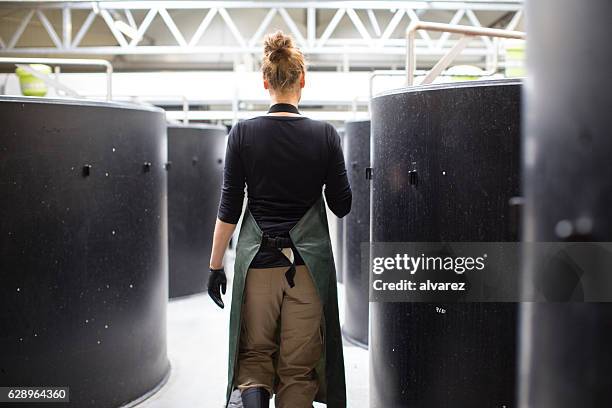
461	73
31	85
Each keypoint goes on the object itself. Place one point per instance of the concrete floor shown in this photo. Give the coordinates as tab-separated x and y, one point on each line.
197	349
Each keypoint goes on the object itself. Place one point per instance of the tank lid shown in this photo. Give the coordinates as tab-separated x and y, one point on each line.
196	126
451	85
79	102
356	121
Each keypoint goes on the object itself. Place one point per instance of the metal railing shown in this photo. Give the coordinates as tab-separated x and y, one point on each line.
379	73
63	61
468	34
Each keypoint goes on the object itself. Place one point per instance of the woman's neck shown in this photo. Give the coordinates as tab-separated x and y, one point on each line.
289	99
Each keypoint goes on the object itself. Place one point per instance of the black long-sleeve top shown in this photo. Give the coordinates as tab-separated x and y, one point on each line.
285	162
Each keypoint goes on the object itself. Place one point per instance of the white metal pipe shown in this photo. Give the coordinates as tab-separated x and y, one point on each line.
454	21
68	61
410	57
447	59
375	74
49	28
463	29
311	25
448	28
262	27
515	20
174	30
331	26
110	22
83	30
508	5
292	27
334	49
146	22
471	16
185	110
66	27
232	26
130	19
374	22
358	24
20	29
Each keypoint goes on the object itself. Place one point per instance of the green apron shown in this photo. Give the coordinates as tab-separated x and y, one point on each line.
311	239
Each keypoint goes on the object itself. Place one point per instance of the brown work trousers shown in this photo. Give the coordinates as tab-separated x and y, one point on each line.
268	303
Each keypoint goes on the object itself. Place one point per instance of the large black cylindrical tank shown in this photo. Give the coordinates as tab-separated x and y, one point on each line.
567	176
357	224
445	164
194	189
83	248
338	242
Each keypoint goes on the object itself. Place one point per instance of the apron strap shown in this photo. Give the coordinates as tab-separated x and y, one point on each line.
279	243
282	243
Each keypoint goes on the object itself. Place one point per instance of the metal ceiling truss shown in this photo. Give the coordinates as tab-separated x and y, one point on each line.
373	38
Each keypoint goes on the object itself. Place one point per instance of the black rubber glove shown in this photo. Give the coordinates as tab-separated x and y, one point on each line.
217	283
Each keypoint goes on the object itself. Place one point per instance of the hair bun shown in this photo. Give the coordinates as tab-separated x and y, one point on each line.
277	46
283	64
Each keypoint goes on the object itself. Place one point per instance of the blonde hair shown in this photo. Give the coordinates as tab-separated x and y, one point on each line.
283	63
